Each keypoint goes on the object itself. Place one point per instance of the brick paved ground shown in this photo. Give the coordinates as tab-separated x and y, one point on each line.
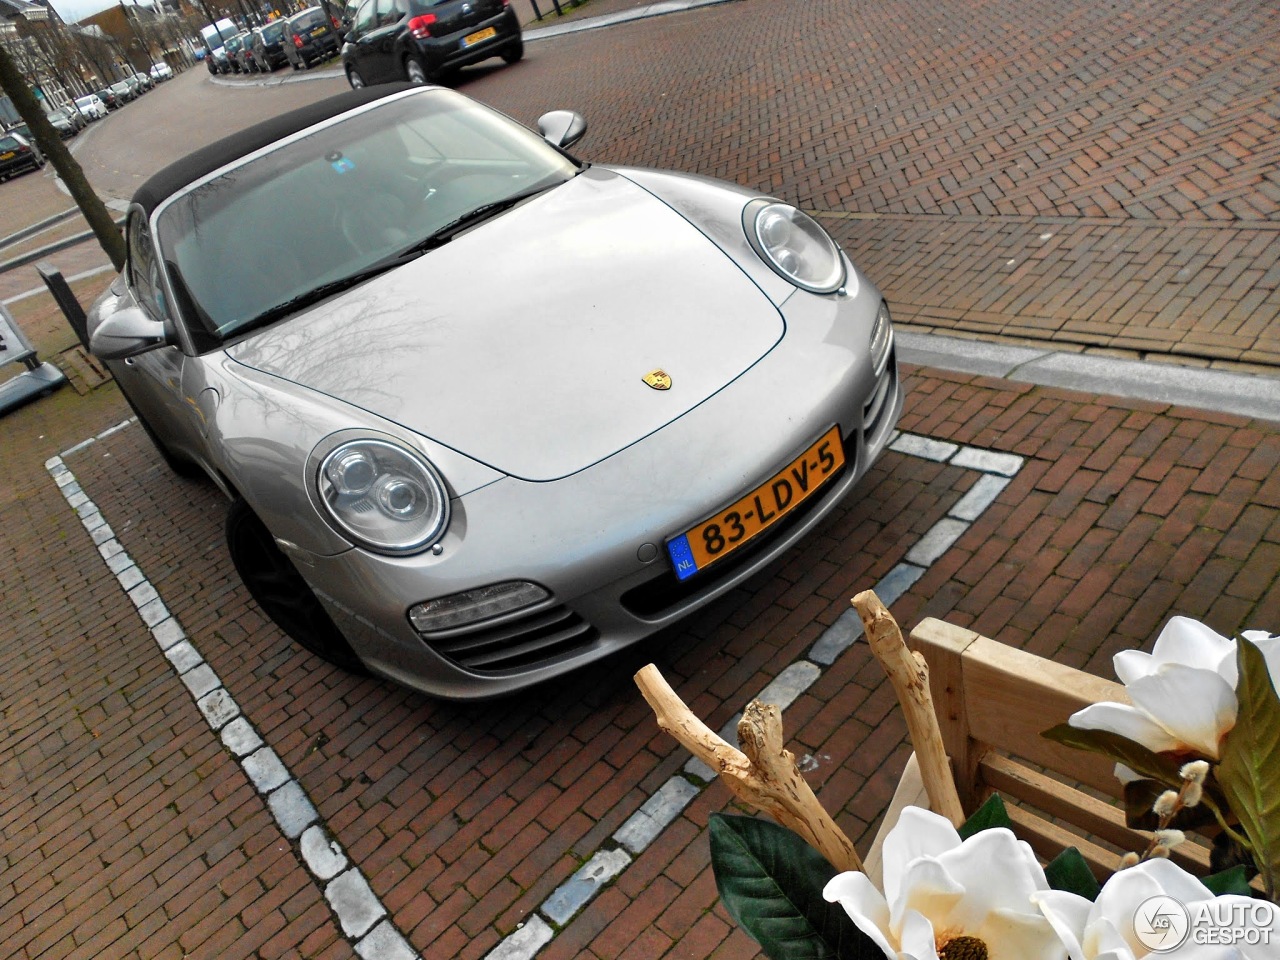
127	831
1089	173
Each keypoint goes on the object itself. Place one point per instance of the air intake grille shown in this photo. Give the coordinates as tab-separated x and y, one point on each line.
521	641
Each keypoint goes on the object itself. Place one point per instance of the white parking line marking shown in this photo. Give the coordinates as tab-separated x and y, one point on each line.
674	795
360	914
358	910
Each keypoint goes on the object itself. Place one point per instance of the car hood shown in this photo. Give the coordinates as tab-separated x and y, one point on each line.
524	343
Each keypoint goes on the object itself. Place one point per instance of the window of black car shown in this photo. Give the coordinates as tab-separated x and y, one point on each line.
273	32
366	18
340	200
390	11
9	143
308	19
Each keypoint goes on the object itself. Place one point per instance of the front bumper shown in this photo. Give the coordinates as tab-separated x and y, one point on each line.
596	540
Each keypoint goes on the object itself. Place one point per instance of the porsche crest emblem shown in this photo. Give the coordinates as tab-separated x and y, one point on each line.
658	379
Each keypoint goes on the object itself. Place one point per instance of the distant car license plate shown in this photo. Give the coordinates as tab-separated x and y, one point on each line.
717	537
7	156
319	31
473	38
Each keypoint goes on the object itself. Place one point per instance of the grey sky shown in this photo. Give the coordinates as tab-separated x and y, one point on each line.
73	10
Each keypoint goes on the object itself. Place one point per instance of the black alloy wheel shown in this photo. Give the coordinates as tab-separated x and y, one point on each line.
274	582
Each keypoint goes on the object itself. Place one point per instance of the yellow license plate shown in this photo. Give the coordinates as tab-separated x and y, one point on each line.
7	156
718	536
474	38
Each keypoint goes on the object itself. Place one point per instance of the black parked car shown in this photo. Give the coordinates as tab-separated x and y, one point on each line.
267	44
108	96
17	154
309	37
418	40
232	48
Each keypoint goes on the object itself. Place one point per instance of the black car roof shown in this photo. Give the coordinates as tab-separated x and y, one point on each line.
192	167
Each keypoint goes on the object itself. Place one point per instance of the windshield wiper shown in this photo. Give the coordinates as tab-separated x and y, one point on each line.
316	294
439	238
436	239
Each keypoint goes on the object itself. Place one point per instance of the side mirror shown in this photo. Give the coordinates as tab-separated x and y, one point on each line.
126	333
562	128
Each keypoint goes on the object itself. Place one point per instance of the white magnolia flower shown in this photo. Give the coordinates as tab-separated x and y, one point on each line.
1124	922
1183	692
942	895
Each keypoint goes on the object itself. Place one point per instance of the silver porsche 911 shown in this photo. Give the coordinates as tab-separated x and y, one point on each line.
486	412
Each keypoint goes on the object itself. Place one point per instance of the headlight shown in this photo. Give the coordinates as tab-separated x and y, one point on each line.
383	497
793	243
881	338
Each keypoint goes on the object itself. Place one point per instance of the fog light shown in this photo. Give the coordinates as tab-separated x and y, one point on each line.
470	606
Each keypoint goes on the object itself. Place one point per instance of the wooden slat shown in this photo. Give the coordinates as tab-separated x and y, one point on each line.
943	646
1023	695
1048	840
1084	813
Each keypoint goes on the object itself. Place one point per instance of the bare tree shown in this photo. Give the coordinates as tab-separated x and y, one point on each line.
47	139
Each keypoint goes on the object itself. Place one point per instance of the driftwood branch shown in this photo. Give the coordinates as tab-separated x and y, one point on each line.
909	675
762	774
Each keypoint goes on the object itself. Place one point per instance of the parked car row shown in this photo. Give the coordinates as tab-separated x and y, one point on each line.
132	87
18	149
298	41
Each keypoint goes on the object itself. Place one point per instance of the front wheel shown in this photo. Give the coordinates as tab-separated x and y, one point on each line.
354	78
414	71
281	592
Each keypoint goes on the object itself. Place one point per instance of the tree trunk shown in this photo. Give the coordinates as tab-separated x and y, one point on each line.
50	144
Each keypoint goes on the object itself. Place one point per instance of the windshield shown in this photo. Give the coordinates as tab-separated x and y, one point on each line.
342	199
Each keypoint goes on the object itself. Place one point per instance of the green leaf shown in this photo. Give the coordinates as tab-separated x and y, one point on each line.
990	814
1070	871
1249	770
1147	763
1235	880
771	883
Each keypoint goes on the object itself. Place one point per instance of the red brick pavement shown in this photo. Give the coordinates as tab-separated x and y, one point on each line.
128	832
959	136
1095	174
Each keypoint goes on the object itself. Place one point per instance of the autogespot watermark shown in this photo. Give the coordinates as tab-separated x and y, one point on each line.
1163	924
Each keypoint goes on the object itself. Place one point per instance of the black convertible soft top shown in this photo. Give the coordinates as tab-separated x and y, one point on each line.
195	165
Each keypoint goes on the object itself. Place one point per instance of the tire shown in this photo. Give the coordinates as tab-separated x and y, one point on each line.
277	587
414	71
354	78
514	52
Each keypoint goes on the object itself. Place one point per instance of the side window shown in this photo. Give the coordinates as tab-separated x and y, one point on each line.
144	269
388	11
365	17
